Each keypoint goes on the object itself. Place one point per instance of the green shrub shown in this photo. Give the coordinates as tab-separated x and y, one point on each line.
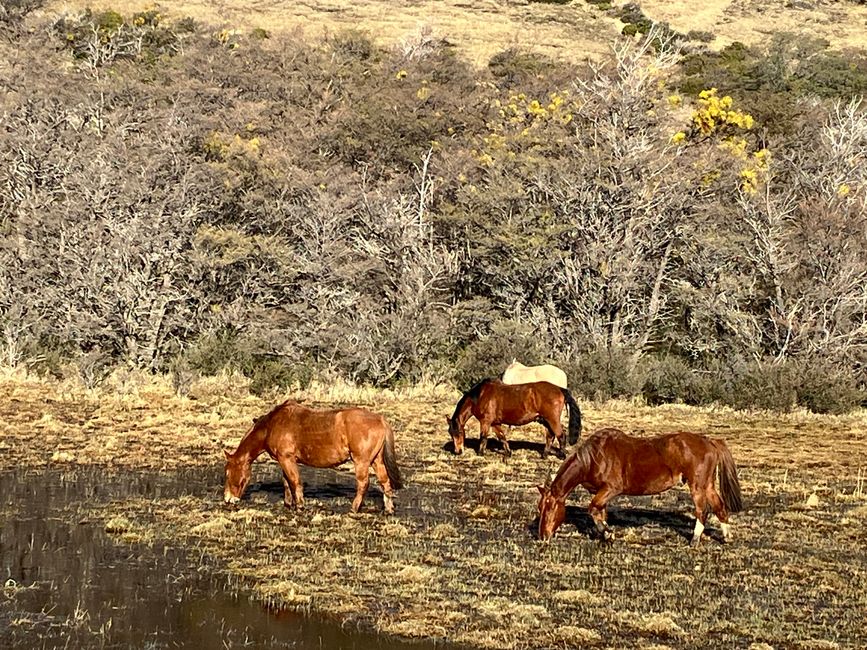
353	44
700	36
604	374
227	350
765	385
766	81
488	357
823	388
670	379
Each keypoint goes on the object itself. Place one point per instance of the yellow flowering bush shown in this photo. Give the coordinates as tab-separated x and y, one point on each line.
525	123
715	113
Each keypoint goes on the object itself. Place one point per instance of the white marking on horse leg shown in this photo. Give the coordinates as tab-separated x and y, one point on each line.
389	504
699	529
228	498
726	531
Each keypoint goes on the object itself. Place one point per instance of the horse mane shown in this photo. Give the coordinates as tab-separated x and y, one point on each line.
263	420
582	458
472	393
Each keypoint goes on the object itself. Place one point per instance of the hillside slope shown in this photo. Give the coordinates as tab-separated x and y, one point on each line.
481	28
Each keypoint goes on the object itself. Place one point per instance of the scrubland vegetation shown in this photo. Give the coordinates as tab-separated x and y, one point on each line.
673	222
197	220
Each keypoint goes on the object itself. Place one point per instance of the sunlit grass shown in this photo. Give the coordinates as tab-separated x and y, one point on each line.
460	560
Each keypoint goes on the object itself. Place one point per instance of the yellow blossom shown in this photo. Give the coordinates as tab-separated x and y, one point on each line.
678	137
401	74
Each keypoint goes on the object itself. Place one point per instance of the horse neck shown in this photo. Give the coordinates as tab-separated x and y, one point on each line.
463	410
253	444
570	475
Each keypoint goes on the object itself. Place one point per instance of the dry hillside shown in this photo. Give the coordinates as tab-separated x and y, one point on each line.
481	28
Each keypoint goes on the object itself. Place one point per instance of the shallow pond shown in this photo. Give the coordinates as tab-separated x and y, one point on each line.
66	583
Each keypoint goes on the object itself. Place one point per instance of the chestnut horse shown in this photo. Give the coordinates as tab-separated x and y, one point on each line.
293	434
518	373
494	403
611	463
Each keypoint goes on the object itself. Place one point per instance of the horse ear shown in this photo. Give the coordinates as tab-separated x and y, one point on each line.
228	454
542	489
448	420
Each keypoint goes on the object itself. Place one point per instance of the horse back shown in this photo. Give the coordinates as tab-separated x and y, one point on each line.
517	373
518	403
320	438
637	465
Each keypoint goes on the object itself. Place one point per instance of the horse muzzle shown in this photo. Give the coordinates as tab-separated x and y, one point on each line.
229	498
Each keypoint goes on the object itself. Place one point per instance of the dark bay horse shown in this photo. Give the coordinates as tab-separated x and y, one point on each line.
494	403
611	463
293	434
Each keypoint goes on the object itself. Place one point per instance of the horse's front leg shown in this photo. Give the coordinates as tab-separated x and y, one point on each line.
484	429
501	436
598	511
293	489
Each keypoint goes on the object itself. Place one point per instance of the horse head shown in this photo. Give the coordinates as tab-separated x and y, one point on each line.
237	477
456	431
552	512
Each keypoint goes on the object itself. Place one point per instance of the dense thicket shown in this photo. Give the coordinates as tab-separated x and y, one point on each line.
174	197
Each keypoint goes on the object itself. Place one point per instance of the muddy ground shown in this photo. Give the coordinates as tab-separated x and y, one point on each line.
459	561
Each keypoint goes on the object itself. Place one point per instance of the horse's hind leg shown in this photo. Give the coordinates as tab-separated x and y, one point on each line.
721	512
501	436
699	498
553	431
292	486
362	480
382	477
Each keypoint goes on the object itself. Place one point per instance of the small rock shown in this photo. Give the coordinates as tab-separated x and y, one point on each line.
812	500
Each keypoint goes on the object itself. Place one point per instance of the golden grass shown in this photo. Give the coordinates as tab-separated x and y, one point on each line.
481	28
841	23
460	561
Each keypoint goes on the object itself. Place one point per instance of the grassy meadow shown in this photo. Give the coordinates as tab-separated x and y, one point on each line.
460	561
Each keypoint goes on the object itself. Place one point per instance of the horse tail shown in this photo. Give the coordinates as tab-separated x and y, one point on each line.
729	485
574	417
389	458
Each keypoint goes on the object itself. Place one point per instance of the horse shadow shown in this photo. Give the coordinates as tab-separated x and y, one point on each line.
624	518
496	447
322	485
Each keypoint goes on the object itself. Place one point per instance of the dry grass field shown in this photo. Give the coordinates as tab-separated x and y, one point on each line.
459	561
480	28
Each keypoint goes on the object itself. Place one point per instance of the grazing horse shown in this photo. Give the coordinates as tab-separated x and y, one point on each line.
611	463
494	403
293	434
518	373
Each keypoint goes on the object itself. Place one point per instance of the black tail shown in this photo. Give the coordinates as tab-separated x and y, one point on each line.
390	460
729	485
574	417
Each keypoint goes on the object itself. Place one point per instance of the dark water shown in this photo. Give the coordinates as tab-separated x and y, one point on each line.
67	584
